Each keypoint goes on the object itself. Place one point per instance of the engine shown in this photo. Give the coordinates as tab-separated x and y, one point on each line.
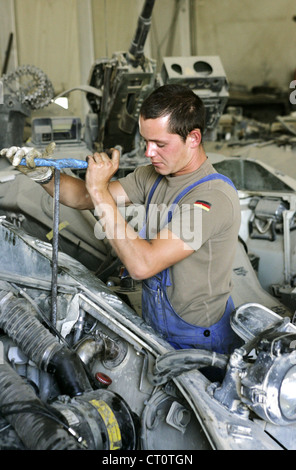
99	378
81	383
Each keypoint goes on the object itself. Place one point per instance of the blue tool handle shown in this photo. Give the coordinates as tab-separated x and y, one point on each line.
63	163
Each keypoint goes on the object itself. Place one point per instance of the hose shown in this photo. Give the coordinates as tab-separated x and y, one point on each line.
35	425
39	345
19	323
101	421
174	363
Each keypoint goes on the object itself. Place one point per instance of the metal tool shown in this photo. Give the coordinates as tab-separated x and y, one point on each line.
57	164
55	247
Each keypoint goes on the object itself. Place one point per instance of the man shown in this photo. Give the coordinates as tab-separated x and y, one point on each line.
185	251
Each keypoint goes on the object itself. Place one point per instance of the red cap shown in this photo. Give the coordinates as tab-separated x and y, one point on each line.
103	379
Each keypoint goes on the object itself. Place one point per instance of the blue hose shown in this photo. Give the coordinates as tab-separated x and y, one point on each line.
63	163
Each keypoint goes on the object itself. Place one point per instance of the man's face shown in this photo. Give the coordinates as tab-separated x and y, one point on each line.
168	153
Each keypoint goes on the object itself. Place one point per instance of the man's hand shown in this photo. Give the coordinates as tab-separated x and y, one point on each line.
100	170
39	174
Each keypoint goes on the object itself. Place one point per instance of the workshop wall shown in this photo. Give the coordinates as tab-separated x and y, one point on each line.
47	37
114	24
256	40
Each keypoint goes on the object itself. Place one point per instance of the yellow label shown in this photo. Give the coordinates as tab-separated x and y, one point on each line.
61	226
110	422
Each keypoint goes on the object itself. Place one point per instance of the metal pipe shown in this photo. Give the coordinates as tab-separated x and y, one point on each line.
136	50
55	247
287	216
59	163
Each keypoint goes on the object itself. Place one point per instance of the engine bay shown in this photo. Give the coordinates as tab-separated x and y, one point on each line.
84	380
101	379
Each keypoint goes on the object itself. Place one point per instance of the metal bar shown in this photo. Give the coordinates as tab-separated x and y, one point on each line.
7	54
55	248
287	216
67	162
136	50
58	164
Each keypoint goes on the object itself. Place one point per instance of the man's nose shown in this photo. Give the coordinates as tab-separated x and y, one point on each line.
150	150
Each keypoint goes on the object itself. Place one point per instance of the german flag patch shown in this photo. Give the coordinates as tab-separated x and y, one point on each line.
203	205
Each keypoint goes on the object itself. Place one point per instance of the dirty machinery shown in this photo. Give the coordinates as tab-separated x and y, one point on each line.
95	376
126	79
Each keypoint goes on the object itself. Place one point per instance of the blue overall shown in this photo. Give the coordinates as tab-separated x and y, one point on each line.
158	312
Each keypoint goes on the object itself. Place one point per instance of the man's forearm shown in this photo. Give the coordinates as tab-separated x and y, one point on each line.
132	250
141	257
73	192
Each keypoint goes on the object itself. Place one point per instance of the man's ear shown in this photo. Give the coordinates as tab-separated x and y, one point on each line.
194	138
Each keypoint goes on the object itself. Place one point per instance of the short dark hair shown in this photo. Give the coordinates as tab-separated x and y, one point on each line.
185	108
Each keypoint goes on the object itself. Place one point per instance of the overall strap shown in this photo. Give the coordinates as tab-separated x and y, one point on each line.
152	190
213	176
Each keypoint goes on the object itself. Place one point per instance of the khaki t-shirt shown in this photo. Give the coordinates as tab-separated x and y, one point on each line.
207	219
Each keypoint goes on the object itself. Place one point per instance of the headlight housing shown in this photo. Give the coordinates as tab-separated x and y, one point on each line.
269	386
287	396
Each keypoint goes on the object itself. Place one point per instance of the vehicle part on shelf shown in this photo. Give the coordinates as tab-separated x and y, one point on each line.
29	85
12	121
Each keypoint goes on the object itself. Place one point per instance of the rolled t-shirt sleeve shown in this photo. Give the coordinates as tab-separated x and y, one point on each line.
135	183
207	217
186	224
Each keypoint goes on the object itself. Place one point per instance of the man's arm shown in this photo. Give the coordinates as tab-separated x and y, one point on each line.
142	258
73	192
